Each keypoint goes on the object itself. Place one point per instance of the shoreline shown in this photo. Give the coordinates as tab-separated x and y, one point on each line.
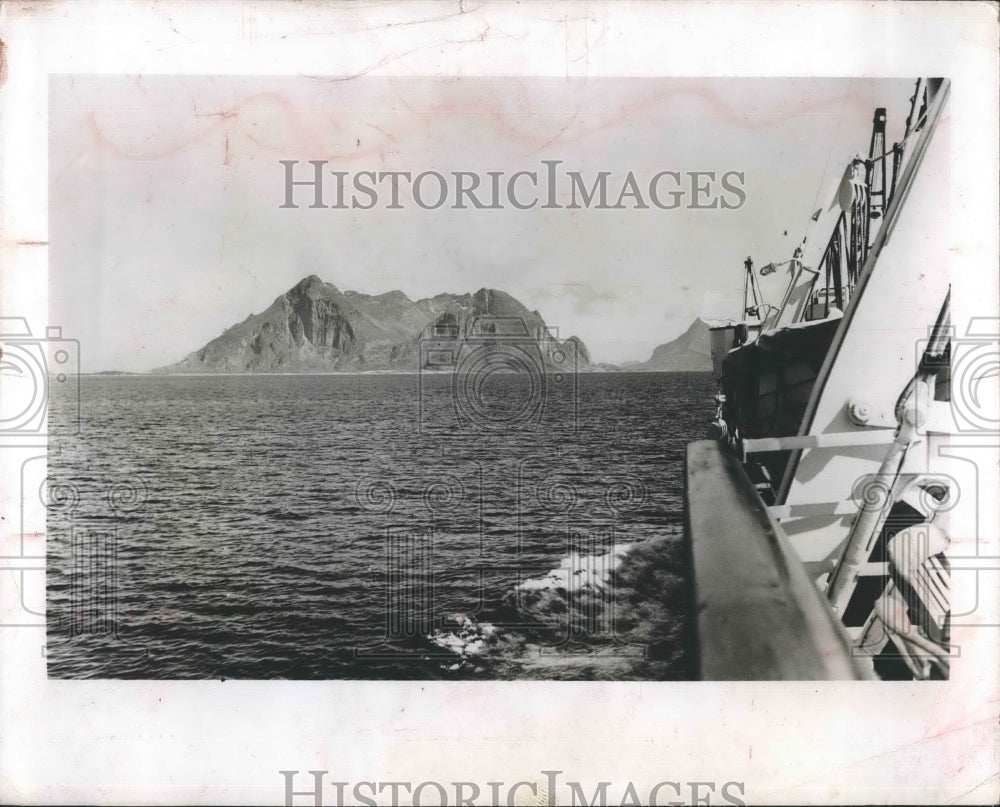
358	373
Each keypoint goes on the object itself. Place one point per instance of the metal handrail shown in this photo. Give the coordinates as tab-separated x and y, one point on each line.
757	614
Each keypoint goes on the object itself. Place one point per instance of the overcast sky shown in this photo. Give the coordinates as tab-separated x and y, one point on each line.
165	226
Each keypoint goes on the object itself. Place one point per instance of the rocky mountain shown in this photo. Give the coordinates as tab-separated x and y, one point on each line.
315	327
691	351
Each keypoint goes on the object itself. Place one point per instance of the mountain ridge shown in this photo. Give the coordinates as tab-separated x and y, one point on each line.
689	352
316	327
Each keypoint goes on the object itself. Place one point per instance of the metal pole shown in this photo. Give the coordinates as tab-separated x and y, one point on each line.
911	409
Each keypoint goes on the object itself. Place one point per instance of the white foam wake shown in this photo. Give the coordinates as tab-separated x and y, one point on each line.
470	639
579	571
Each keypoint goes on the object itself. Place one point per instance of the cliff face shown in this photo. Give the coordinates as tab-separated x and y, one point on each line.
583	355
691	351
314	327
307	327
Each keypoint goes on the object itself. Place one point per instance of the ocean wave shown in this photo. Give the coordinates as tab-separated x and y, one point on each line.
281	514
468	639
595	616
580	571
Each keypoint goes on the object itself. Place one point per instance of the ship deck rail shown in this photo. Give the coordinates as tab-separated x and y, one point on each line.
756	614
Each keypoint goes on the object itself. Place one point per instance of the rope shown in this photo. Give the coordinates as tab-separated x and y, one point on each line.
922	119
897	144
829	155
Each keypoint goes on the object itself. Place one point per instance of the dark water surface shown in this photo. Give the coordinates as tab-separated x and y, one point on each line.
371	526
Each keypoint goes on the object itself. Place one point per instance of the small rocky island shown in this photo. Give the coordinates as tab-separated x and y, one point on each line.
316	328
689	352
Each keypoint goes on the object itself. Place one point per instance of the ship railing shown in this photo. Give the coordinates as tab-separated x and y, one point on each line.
757	614
853	235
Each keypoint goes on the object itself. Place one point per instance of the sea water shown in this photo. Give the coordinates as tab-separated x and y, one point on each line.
370	526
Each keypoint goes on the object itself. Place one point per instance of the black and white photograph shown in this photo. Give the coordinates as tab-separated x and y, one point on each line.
388	378
417	378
